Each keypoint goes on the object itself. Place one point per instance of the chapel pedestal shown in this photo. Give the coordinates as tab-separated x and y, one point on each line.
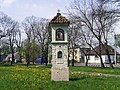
59	74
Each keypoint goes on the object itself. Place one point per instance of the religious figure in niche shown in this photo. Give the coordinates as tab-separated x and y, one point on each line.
59	35
59	54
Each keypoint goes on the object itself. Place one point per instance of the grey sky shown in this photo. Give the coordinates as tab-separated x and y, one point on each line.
19	9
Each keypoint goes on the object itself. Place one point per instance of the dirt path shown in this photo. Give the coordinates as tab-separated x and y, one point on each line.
97	74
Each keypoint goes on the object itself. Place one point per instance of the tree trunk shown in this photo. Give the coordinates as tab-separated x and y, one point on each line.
27	63
46	62
33	59
73	57
0	54
68	56
42	54
12	54
72	62
33	51
86	63
109	59
20	54
46	55
87	57
101	61
28	60
102	64
20	58
100	45
28	53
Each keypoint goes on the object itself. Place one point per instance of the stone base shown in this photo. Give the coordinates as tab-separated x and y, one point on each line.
60	74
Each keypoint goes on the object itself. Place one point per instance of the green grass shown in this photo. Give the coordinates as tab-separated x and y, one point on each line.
39	78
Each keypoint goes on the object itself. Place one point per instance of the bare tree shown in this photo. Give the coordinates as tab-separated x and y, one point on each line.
18	42
105	17
87	38
82	17
10	28
96	17
36	29
42	36
29	28
73	38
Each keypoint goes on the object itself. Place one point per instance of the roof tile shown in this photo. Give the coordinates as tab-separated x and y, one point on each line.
59	19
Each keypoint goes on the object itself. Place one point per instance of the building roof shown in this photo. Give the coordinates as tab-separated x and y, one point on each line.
117	49
85	50
103	52
59	19
16	56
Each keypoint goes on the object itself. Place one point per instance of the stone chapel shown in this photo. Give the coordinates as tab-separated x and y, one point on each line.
59	42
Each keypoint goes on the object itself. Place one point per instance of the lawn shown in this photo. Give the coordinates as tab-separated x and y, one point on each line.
96	69
38	78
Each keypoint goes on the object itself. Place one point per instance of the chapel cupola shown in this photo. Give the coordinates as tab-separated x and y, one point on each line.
59	26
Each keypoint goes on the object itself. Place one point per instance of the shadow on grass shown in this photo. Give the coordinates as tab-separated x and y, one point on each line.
25	65
6	65
74	79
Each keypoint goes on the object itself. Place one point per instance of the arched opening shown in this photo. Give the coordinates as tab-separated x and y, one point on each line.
59	55
59	35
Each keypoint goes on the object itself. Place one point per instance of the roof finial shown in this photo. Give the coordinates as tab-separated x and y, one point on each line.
58	12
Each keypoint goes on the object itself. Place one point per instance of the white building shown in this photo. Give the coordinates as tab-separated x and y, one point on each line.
94	58
76	51
9	57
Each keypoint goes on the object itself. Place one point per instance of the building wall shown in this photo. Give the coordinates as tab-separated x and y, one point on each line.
76	54
111	56
92	59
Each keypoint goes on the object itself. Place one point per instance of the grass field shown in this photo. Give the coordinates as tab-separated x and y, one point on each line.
38	78
96	69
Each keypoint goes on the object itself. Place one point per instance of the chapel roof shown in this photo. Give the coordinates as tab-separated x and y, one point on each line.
59	19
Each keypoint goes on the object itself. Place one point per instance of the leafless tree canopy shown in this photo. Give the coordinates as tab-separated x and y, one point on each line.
94	18
10	29
36	29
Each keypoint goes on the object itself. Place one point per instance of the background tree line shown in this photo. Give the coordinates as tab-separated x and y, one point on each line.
92	23
35	45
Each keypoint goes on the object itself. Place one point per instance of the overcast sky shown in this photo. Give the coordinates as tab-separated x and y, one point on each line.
19	9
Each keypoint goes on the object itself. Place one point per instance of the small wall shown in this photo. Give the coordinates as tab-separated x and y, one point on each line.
93	60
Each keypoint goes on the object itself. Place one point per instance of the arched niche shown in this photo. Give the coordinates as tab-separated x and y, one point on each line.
59	35
59	54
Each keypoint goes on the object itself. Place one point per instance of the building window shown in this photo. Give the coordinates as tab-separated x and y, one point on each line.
75	57
75	51
59	54
59	35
